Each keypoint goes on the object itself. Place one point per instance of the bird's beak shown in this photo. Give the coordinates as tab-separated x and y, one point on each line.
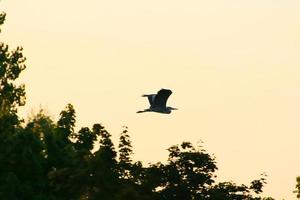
174	108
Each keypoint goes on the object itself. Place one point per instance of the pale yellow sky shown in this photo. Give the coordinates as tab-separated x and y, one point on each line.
233	67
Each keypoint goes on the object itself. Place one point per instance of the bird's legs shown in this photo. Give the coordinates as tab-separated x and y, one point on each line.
142	111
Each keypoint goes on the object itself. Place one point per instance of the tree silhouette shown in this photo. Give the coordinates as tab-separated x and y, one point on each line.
11	133
125	152
188	173
104	174
297	191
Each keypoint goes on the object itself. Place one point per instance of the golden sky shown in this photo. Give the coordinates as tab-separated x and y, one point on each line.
233	66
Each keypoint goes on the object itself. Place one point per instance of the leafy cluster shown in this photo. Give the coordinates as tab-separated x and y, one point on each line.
47	160
297	191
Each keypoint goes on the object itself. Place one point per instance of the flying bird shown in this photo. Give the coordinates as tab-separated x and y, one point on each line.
158	102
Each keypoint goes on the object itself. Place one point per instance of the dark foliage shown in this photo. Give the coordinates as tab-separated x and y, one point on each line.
297	191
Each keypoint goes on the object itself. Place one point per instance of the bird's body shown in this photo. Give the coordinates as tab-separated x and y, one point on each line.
158	102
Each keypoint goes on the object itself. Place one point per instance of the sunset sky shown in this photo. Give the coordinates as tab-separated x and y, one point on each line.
233	67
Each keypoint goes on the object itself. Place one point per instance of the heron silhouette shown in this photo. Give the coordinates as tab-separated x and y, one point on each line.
158	102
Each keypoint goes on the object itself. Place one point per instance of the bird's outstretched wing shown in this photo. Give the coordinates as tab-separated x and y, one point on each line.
150	97
161	98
